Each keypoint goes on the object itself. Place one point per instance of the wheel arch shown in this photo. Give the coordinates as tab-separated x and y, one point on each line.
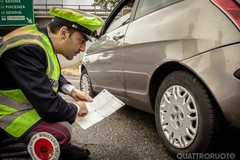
162	71
158	76
82	67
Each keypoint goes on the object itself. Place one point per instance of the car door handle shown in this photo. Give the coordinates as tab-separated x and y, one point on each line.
118	36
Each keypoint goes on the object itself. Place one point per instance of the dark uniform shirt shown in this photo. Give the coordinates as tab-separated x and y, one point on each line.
24	68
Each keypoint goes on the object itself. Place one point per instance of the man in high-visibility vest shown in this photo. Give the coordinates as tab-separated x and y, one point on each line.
31	79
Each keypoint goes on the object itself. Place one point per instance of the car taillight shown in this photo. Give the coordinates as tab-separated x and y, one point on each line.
231	8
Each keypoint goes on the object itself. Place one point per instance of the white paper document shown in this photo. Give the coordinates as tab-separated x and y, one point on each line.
103	105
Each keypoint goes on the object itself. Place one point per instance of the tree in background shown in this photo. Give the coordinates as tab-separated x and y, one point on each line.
106	4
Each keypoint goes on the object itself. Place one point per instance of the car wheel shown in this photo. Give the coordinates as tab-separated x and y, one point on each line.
184	114
85	83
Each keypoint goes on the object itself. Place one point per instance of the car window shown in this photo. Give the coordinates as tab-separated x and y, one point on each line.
121	16
148	6
117	22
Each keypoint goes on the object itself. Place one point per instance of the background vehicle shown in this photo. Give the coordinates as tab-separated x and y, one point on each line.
178	59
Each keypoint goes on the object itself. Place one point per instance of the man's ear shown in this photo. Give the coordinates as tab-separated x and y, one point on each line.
63	32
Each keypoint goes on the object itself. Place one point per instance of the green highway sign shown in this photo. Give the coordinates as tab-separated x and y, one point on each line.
16	12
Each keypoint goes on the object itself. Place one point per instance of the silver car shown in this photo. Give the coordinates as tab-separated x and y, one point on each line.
177	59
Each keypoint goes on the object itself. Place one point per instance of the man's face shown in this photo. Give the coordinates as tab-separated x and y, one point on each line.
72	44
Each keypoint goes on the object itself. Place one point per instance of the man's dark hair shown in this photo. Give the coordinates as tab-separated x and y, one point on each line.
55	26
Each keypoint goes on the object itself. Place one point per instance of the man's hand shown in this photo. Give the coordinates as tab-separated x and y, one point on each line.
83	109
78	95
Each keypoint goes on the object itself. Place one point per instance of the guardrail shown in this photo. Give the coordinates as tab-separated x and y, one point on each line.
42	10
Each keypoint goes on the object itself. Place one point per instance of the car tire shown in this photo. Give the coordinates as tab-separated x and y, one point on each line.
184	114
86	84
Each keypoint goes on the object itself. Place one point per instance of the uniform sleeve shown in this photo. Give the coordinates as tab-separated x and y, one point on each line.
27	65
62	82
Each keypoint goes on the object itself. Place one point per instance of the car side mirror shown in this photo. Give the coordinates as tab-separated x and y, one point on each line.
96	36
97	33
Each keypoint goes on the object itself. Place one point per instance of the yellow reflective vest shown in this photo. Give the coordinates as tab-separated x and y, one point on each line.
17	115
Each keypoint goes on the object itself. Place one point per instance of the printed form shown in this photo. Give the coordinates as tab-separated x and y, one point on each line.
103	105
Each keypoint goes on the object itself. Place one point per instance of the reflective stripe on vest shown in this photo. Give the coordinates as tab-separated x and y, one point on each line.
16	113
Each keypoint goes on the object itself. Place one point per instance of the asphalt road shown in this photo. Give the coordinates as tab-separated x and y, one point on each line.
130	134
127	134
